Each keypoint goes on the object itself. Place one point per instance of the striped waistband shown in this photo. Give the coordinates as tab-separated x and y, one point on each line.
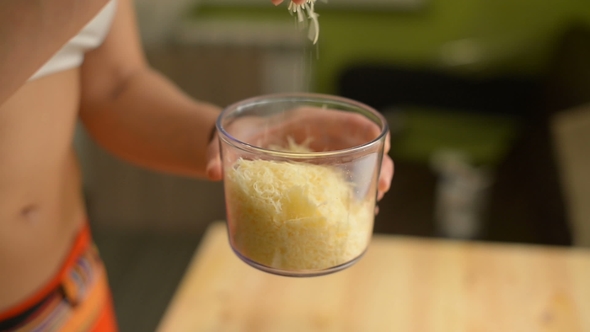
77	276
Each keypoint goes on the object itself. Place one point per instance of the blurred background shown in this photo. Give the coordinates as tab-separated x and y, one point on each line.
488	103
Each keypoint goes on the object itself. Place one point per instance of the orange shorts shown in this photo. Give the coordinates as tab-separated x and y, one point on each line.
78	298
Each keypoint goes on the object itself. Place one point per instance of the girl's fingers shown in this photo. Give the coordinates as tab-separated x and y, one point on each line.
387	170
278	2
214	172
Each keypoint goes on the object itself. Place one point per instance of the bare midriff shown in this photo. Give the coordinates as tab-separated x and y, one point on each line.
41	203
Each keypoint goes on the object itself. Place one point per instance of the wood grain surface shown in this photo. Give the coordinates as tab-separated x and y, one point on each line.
401	284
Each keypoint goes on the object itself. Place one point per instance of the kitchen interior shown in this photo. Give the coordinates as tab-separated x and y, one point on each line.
488	104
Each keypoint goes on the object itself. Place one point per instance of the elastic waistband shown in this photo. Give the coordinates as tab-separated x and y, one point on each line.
80	245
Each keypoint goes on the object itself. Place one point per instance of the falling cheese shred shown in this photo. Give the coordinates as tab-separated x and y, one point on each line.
307	9
295	216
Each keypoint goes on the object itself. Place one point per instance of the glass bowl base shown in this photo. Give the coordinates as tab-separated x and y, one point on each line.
298	273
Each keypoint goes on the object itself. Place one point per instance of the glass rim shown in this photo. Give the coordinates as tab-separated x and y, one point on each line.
225	136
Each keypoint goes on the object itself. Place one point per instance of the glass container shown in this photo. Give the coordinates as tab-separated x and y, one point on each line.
300	179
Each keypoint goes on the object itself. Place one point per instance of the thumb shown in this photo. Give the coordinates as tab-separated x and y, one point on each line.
214	172
213	169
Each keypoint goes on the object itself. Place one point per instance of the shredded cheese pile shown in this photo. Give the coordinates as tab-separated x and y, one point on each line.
295	216
307	8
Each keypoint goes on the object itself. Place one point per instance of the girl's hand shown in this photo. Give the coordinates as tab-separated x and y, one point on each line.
324	127
278	2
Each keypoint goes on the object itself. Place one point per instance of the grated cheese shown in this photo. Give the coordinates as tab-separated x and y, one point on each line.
295	216
307	8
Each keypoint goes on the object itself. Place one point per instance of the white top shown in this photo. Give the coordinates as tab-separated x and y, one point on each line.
91	36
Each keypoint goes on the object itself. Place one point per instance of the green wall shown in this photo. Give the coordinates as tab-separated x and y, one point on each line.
502	36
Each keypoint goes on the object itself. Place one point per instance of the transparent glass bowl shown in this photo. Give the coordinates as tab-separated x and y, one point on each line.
300	178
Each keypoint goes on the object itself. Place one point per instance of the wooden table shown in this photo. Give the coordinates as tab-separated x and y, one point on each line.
401	284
